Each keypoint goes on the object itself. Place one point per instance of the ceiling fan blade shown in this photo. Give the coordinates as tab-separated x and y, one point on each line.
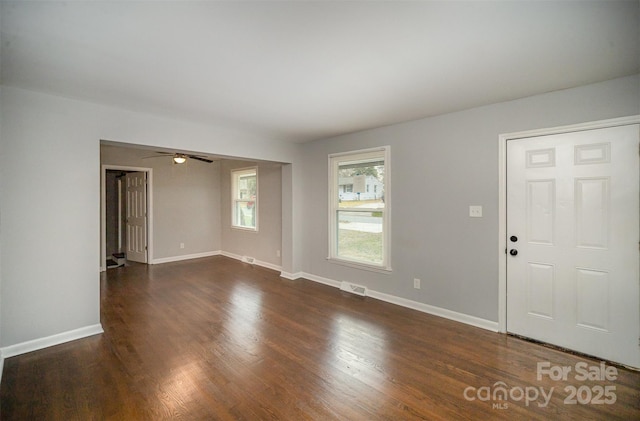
196	157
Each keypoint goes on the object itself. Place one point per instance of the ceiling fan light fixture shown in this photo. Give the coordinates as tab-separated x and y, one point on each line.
179	159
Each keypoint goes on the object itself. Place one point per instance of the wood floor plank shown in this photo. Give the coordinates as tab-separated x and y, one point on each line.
215	338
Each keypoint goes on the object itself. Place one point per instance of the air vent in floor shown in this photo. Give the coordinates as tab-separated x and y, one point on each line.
353	288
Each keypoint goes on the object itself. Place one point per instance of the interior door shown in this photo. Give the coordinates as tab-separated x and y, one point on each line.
136	212
572	238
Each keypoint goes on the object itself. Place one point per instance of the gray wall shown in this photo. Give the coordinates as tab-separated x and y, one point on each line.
440	166
50	231
192	205
264	243
186	201
50	209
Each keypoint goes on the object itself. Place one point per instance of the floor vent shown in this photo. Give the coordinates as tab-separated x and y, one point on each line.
353	288
248	259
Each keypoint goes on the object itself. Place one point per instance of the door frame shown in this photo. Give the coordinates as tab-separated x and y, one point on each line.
103	210
502	194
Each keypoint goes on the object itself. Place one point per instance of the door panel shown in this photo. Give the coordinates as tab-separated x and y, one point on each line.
592	213
540	279
573	273
541	196
136	203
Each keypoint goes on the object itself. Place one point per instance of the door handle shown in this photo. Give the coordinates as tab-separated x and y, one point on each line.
513	252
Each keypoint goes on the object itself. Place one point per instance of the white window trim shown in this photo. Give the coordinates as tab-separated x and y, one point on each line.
333	161
234	174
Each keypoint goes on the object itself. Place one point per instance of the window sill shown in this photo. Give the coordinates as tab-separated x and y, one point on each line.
363	266
233	227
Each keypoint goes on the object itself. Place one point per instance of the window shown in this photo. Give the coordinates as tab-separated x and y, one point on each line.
244	198
359	217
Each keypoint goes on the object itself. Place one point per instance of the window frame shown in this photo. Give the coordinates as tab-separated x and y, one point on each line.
334	161
236	174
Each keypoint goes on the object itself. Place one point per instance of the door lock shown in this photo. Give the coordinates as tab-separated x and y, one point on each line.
513	252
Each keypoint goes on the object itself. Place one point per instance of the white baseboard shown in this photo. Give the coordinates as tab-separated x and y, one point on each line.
214	253
291	276
436	311
268	265
1	366
425	308
60	338
320	279
255	261
185	257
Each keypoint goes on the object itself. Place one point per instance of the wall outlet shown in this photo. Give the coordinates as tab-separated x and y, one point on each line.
416	283
277	253
181	245
475	211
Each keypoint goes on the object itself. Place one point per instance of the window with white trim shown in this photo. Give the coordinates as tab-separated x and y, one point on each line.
359	214
244	198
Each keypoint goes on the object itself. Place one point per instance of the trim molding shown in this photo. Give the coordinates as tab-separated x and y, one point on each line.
414	305
60	338
214	253
291	276
321	280
435	311
186	257
1	365
255	261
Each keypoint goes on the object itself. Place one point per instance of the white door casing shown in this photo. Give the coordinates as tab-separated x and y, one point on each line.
136	212
573	204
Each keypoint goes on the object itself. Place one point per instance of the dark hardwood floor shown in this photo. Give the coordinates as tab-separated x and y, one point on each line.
215	338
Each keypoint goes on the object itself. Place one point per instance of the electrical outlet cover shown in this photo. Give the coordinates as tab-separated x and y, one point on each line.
475	211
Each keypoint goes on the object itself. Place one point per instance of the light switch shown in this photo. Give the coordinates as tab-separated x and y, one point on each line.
475	211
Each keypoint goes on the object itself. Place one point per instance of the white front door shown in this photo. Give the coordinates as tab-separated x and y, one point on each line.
572	241
136	208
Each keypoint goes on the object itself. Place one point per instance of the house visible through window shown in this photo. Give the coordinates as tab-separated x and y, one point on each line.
359	208
244	198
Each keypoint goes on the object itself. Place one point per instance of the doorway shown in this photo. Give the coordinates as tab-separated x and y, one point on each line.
126	209
570	235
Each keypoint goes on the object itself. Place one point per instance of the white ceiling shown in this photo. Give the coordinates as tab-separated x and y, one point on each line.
299	70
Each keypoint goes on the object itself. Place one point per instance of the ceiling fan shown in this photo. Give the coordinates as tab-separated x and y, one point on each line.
181	158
